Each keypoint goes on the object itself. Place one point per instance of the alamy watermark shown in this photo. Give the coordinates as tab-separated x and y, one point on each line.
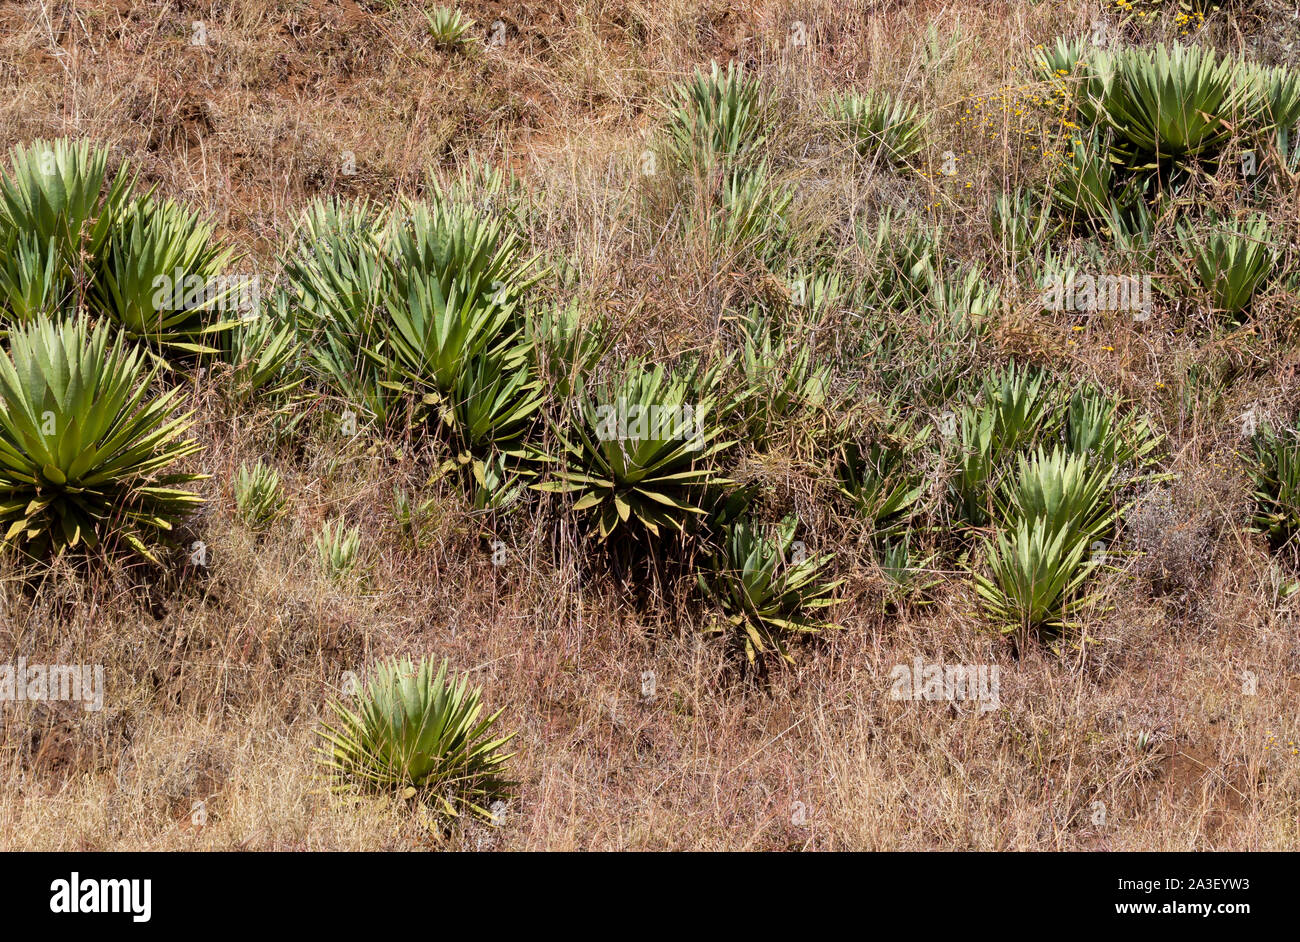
235	293
76	683
624	421
1088	294
922	681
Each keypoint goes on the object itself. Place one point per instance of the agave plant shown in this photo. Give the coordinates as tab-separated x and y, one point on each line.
258	495
770	590
1088	189
420	733
58	202
564	348
447	27
337	279
1172	103
162	278
1070	492
85	450
263	352
750	214
1025	403
971	486
1079	74
907	580
1035	574
641	449
1018	406
1094	428
1021	223
1273	464
877	123
337	548
782	388
715	121
32	278
882	480
1276	98
1231	260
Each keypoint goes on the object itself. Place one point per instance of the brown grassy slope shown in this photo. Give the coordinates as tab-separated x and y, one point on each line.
216	678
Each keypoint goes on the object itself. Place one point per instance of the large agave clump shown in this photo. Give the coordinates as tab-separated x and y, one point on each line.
417	732
85	449
770	590
1173	103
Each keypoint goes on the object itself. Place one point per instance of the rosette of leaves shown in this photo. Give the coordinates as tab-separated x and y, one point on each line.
879	123
419	733
883	478
162	278
770	590
58	206
641	449
715	121
1231	259
86	449
1273	464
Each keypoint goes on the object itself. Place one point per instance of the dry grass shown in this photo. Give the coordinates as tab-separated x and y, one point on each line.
216	676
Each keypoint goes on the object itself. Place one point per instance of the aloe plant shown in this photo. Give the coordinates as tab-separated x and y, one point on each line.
769	589
86	450
32	276
782	388
883	479
414	733
448	28
1036	571
337	278
1096	429
264	354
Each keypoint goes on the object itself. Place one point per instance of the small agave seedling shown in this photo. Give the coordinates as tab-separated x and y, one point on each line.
338	547
258	495
448	28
